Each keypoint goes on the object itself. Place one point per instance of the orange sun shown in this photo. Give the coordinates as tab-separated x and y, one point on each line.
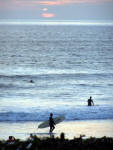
48	15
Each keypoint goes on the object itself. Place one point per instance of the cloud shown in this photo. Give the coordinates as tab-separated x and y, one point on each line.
65	2
50	2
36	4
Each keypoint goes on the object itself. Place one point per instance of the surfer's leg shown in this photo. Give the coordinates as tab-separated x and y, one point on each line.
50	129
53	127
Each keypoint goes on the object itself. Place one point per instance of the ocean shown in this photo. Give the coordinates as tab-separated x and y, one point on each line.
55	69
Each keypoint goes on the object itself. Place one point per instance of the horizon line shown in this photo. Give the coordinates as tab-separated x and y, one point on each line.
54	22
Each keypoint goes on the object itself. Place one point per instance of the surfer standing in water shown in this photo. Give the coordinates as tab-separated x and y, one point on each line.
90	102
51	123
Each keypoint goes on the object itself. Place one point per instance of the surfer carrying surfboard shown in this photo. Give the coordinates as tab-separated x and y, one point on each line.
51	123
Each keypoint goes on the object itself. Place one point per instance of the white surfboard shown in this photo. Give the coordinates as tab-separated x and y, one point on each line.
57	120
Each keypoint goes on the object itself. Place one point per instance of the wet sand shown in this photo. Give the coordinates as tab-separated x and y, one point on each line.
94	128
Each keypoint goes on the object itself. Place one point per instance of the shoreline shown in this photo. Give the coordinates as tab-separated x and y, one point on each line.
89	128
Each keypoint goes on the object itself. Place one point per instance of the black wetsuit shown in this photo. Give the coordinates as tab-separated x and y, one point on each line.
90	102
51	124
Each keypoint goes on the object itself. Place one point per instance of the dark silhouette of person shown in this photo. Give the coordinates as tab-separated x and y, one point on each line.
51	123
31	81
90	102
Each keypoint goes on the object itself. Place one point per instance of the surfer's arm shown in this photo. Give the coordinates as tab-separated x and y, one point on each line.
92	102
53	122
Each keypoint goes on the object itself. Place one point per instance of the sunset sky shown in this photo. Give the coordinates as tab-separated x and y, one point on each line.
57	9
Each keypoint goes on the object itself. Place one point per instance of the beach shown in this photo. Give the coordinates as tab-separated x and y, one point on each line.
92	128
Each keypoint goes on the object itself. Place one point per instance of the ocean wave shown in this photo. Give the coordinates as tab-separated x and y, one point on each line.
67	79
60	73
79	113
6	85
26	85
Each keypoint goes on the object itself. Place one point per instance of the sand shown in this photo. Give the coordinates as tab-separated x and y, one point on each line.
22	130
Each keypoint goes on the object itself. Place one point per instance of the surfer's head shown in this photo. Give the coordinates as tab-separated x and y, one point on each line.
51	114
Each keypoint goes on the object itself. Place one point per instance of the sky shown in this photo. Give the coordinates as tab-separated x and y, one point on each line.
57	9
